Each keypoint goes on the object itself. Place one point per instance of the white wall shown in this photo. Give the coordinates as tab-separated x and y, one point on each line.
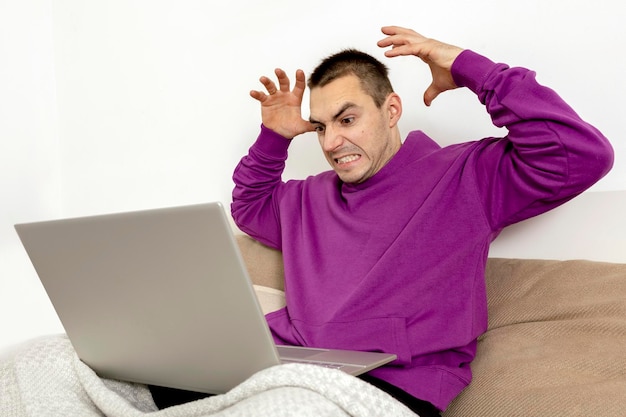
29	159
128	104
153	95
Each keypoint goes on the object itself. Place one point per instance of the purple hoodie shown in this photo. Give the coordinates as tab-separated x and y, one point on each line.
396	263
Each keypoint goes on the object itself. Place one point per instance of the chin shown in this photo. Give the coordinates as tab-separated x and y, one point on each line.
350	179
352	176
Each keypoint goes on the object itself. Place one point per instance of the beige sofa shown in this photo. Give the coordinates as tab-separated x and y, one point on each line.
556	343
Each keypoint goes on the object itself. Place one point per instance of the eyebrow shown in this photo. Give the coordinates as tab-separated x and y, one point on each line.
342	110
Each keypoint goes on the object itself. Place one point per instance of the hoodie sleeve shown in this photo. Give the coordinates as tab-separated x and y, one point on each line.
258	186
549	155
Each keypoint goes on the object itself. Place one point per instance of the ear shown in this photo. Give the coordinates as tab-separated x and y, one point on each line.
394	108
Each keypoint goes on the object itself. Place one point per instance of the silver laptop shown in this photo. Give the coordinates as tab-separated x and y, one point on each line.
163	297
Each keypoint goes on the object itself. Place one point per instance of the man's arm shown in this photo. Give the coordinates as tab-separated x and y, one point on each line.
550	154
258	176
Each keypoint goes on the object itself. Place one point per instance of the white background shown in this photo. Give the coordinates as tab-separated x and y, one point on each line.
130	104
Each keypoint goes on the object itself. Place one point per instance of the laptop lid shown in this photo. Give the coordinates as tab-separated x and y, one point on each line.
163	297
159	296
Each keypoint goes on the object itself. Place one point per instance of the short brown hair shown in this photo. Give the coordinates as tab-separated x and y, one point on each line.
372	73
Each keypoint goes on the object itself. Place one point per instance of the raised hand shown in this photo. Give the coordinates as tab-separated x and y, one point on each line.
281	108
438	55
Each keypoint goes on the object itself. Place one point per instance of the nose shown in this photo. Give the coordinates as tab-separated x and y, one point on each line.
330	140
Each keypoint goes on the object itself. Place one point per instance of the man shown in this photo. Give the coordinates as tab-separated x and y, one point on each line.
387	251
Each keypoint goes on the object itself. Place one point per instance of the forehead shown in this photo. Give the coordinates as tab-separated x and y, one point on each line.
327	100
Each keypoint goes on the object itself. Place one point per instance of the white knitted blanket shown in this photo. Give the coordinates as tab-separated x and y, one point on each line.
44	377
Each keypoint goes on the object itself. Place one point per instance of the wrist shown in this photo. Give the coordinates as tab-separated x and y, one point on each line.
275	132
470	70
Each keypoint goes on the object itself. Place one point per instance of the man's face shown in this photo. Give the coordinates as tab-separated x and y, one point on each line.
357	137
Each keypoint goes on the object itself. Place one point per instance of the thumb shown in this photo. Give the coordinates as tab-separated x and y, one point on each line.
431	94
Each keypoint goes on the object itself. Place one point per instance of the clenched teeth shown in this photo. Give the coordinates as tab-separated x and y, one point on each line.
347	158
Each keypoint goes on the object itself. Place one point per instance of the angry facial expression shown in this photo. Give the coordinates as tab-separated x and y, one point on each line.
357	137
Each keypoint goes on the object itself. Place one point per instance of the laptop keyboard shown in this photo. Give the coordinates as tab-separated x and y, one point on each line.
322	364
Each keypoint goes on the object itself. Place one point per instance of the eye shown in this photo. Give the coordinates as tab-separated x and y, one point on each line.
347	120
319	128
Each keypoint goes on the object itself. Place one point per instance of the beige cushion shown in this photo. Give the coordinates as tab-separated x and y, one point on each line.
265	265
265	268
556	343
